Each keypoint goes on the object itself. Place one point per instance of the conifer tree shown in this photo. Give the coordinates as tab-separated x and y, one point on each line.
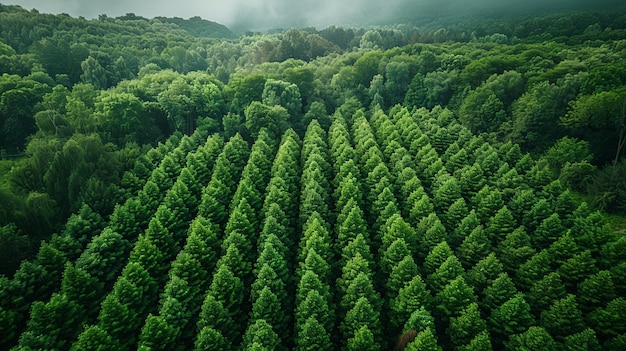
545	292
585	340
451	301
401	274
498	292
563	318
210	339
424	340
53	324
228	289
413	296
512	317
363	339
261	335
268	307
448	271
608	321
214	316
548	232
361	314
312	336
436	257
474	248
515	249
157	334
532	270
535	338
95	338
464	328
393	255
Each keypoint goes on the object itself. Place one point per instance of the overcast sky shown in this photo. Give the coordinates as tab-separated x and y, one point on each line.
256	13
267	14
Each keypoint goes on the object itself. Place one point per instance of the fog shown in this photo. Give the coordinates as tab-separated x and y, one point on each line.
268	14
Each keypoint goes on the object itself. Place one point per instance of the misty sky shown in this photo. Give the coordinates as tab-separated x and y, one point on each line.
256	14
268	14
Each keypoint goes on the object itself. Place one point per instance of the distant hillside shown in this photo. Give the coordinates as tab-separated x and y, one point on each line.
202	28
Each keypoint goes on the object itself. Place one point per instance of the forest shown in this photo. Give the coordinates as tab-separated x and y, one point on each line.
168	184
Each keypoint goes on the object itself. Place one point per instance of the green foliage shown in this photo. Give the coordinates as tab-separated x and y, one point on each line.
563	318
535	338
467	326
512	317
376	182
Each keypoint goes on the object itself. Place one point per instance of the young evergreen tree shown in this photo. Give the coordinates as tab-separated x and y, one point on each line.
413	296
214	316
608	321
361	314
563	318
95	338
585	340
535	338
268	307
157	334
261	335
497	293
474	248
484	273
512	317
52	325
577	268
401	274
464	328
548	232
545	292
363	339
312	336
424	340
448	271
210	339
515	249
533	270
228	289
451	301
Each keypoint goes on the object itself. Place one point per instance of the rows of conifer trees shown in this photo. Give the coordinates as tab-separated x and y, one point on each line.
382	224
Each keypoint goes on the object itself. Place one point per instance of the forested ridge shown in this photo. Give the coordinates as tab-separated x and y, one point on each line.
167	185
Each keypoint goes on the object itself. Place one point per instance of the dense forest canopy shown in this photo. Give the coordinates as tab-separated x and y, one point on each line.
168	184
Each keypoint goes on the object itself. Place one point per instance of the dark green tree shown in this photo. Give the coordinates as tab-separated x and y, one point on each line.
515	249
563	318
424	340
608	321
449	270
157	334
210	339
484	272
466	326
545	292
585	340
535	338
474	248
260	335
413	296
95	338
401	274
512	317
312	336
451	301
361	314
497	293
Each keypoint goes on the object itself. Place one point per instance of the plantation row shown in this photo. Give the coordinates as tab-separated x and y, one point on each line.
345	239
